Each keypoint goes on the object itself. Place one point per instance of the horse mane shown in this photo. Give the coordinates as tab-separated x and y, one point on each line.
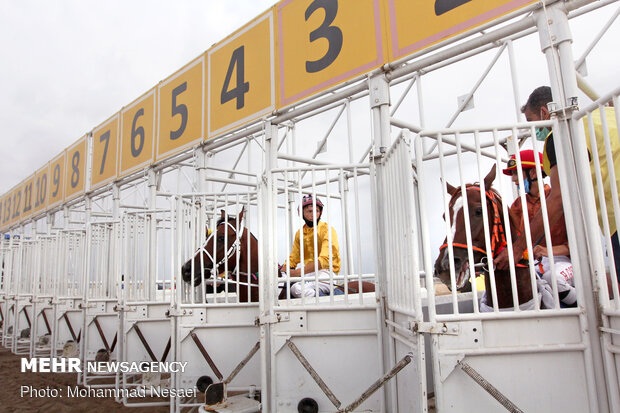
226	218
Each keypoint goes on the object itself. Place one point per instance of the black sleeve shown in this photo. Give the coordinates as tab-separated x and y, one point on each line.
550	152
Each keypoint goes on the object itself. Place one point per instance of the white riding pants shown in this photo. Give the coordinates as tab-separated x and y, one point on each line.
310	286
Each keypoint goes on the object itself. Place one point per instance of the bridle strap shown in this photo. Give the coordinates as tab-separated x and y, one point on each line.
498	235
229	253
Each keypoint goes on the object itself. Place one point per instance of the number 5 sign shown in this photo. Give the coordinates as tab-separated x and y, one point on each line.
326	42
180	98
241	76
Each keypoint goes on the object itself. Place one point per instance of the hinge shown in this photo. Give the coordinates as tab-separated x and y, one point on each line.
435	328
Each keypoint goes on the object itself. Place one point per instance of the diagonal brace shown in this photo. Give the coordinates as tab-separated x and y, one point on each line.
330	395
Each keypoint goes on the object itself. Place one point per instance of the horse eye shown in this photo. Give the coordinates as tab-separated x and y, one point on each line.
220	238
478	212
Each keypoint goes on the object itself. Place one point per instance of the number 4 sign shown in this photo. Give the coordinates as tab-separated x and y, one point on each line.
241	76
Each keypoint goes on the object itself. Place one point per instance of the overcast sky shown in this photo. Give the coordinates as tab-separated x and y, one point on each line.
67	65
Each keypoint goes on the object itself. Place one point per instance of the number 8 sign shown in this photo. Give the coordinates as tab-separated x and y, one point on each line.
326	42
76	168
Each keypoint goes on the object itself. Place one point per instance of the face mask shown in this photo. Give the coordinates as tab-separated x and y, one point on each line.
526	186
542	133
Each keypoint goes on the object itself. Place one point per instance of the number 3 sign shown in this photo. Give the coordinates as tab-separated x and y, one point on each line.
326	42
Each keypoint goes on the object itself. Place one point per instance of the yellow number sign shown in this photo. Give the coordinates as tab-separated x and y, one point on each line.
326	42
180	110
415	25
27	190
2	200
56	180
241	76
137	134
75	181
40	193
17	204
105	145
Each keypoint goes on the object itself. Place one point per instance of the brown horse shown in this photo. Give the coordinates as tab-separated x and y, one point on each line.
475	204
228	246
231	243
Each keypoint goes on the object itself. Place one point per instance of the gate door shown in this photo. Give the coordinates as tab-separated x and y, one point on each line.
396	212
501	350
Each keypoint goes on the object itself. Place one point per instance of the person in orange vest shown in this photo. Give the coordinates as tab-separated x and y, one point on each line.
559	238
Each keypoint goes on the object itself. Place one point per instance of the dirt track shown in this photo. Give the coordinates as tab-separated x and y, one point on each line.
11	400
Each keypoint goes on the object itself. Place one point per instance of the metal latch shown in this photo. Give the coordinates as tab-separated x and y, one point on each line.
173	312
269	319
435	328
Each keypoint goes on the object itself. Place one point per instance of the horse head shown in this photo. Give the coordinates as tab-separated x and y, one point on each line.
474	207
220	249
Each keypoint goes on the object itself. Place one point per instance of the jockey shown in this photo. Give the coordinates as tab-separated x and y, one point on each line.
313	233
561	252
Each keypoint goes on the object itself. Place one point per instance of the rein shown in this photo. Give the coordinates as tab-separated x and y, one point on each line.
498	234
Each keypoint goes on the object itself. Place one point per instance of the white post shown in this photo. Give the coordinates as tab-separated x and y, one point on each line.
267	264
582	226
379	103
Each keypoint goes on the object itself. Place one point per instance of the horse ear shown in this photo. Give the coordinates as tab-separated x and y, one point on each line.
450	188
488	180
222	213
241	214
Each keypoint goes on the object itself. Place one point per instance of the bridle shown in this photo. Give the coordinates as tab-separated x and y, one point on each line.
229	253
498	233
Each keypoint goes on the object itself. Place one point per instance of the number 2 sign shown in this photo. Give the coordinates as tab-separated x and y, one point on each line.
326	42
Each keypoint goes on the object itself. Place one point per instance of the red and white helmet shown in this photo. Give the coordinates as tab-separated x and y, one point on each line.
527	161
307	200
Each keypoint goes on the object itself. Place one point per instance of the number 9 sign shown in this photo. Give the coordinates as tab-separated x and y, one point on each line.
326	42
56	180
76	168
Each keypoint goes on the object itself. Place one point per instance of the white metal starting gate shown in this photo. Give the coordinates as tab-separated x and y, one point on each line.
193	259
